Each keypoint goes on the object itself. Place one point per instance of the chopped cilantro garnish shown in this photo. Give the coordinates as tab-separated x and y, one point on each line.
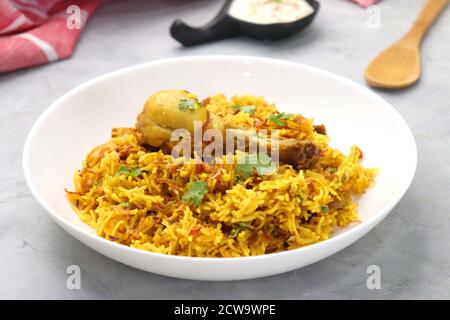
122	170
238	228
195	193
324	209
276	118
125	204
187	104
133	172
245	169
247	109
261	163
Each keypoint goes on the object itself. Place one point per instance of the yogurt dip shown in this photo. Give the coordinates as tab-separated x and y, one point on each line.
270	11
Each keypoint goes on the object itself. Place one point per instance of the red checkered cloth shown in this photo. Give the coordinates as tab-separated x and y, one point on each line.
365	3
34	32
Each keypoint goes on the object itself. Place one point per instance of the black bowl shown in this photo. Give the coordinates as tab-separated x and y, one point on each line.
225	26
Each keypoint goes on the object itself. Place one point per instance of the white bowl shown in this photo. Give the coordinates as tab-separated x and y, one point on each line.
83	118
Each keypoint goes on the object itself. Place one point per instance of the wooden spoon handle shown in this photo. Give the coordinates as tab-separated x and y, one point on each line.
426	18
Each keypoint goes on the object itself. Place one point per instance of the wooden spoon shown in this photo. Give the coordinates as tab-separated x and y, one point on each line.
399	65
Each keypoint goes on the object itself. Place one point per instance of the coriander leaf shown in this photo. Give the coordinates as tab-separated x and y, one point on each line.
238	228
247	109
276	118
261	163
187	104
122	170
246	166
135	172
324	209
125	204
265	164
244	169
195	193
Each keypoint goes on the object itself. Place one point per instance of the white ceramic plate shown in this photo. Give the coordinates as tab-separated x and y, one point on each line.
83	118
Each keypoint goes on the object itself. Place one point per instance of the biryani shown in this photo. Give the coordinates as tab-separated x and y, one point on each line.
135	192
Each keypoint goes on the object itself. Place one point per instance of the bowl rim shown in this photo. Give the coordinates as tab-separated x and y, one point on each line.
361	228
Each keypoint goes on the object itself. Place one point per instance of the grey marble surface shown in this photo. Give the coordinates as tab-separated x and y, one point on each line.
411	245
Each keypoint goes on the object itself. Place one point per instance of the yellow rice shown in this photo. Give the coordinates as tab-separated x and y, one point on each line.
286	210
